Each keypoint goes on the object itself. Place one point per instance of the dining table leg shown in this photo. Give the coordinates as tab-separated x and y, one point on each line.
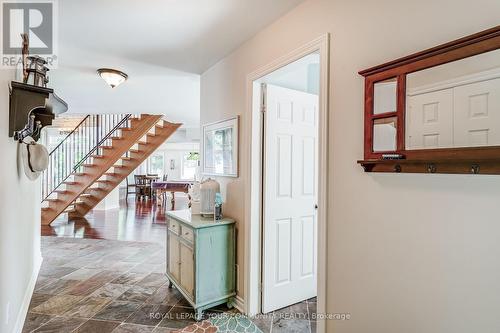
173	200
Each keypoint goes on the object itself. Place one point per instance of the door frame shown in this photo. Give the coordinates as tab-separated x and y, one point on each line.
253	212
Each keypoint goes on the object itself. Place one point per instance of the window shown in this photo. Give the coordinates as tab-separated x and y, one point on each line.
156	164
189	165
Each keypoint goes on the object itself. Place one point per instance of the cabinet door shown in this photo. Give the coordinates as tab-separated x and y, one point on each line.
173	256
187	269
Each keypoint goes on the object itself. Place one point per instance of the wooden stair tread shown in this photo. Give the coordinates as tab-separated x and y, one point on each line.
111	174
103	181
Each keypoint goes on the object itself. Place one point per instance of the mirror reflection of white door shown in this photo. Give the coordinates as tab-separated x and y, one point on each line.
430	120
290	197
477	114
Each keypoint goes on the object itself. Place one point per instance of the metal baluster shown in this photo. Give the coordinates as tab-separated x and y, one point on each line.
52	167
65	159
87	139
79	143
72	153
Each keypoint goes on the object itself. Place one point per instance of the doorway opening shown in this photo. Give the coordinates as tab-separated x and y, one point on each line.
289	104
286	254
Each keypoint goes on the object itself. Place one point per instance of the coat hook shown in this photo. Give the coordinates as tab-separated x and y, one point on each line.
431	168
474	169
397	168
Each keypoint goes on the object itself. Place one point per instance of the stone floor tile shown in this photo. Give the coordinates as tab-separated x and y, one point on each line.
165	295
37	299
56	271
129	278
153	280
87	307
117	311
178	317
137	294
81	274
58	287
149	314
97	326
295	311
290	326
34	321
57	304
132	328
60	325
112	290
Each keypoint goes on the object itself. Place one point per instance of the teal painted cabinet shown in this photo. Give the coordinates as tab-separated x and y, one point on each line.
201	259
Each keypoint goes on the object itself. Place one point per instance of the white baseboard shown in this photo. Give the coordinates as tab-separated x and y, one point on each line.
239	304
23	311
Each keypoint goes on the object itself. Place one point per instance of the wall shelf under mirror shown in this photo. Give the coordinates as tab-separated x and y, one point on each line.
436	111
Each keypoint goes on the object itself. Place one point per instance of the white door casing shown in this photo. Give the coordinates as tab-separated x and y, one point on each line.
289	262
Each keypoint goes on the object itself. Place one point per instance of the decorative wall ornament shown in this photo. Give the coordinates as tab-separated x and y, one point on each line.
32	106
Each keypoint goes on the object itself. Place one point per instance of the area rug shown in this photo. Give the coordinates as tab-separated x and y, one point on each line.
223	323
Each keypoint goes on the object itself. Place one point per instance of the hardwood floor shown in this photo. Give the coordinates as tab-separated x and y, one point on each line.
133	221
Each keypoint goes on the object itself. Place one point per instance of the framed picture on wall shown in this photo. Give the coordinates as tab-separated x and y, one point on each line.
220	148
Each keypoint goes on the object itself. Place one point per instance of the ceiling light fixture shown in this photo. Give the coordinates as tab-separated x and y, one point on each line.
112	77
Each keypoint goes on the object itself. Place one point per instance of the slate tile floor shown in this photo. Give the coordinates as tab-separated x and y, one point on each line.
107	285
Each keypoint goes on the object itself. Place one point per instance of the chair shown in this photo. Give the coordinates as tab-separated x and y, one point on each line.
129	186
151	177
140	186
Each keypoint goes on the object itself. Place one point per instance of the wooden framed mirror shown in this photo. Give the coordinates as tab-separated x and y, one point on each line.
436	111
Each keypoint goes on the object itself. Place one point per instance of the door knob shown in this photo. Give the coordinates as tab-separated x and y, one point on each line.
316	206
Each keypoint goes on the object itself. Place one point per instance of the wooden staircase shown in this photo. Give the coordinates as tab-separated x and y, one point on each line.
111	161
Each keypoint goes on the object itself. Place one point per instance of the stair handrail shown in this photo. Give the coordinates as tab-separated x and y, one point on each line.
100	143
70	133
92	132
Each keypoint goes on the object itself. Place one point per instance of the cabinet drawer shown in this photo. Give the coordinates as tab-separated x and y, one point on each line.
174	226
187	234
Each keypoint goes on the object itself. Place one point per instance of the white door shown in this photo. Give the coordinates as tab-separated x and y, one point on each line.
290	197
430	120
477	114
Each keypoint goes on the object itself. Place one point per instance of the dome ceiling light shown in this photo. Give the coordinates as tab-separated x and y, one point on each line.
112	77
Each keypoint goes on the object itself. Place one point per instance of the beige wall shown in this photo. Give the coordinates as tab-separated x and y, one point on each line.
19	224
406	253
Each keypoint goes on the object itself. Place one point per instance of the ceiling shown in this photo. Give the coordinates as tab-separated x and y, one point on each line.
162	44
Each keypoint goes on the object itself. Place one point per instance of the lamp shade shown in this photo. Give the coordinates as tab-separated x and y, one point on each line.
112	77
